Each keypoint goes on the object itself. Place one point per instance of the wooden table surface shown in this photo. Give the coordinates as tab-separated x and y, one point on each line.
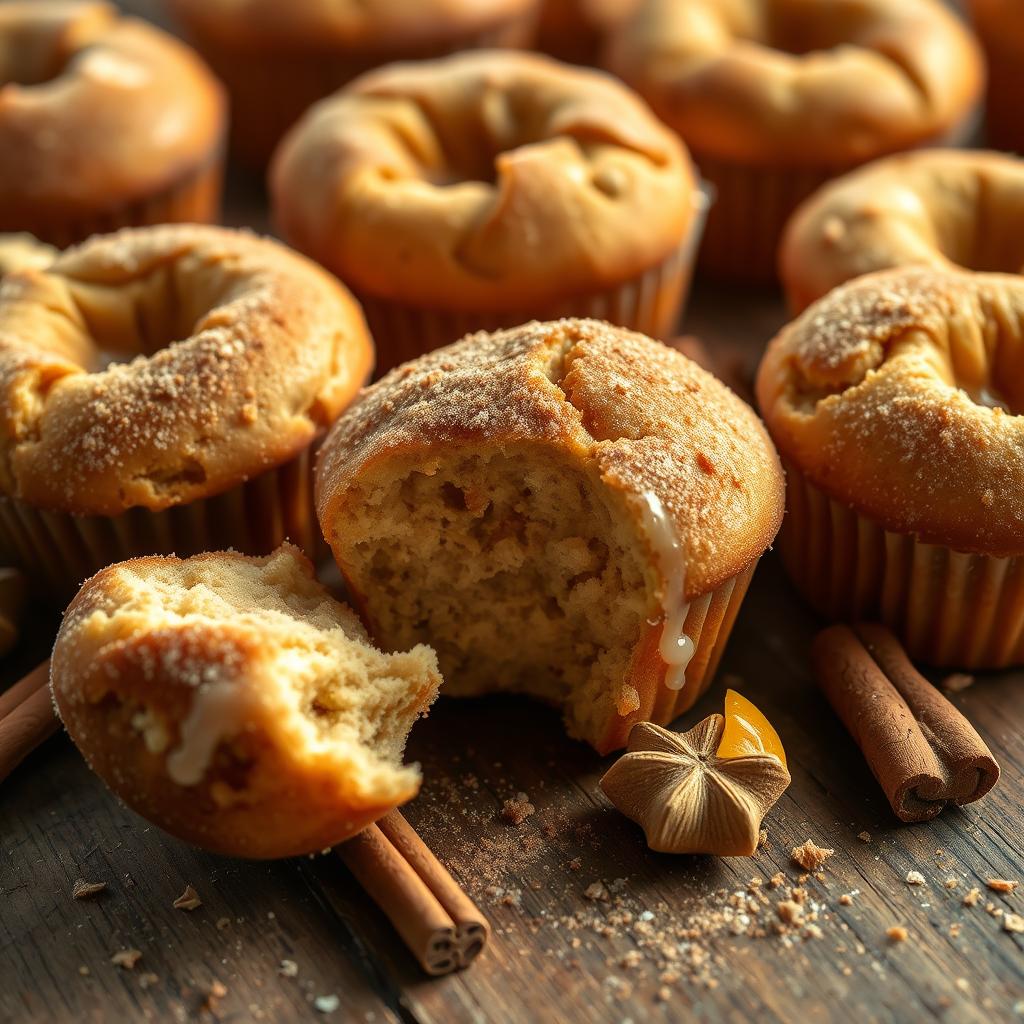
666	939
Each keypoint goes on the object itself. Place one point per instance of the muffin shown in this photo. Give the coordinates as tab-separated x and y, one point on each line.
577	30
233	702
20	250
105	122
1000	26
279	57
942	208
774	97
484	190
895	402
567	510
160	390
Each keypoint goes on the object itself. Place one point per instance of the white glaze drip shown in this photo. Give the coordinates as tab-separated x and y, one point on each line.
676	648
217	711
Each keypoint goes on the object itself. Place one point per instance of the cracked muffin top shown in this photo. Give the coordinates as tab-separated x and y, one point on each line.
156	366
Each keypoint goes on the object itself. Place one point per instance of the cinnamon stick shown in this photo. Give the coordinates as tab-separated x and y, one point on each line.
923	752
26	718
437	921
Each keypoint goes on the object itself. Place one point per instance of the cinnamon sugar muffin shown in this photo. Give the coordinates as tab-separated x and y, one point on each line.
487	189
105	121
896	405
1000	26
568	510
943	208
160	389
233	702
774	97
280	56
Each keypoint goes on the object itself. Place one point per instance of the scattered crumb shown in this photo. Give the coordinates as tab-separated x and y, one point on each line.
972	897
952	883
790	912
846	899
188	900
762	837
596	891
288	969
809	856
1001	884
327	1004
897	933
148	980
84	971
776	880
222	923
864	837
1013	923
915	878
954	930
517	810
962	985
956	682
83	890
126	958
216	993
575	864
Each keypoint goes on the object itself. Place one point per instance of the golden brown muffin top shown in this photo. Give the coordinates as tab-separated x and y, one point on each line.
488	180
798	82
901	394
159	365
97	109
944	208
643	416
323	24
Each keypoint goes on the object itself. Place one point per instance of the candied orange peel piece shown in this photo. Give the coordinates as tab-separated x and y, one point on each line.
747	731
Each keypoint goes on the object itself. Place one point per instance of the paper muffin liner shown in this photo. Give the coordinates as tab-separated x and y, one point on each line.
193	199
644	696
1003	125
650	303
950	608
752	205
270	89
59	550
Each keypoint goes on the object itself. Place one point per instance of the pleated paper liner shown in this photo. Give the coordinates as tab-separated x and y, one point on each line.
753	203
949	608
709	623
59	551
650	303
271	89
194	199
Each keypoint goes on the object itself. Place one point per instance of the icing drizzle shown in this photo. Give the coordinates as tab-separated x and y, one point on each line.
676	648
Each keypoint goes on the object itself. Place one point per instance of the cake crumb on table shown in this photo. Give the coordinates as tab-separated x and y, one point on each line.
957	681
915	878
897	933
517	809
1013	923
126	958
188	900
972	897
1001	884
864	837
83	890
810	856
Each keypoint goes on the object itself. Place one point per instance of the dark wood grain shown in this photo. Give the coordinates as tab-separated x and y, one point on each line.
555	954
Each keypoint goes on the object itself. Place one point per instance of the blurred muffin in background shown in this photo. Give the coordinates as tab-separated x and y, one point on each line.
105	122
277	57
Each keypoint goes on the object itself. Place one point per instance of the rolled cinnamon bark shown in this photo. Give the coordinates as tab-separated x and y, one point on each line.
436	919
923	752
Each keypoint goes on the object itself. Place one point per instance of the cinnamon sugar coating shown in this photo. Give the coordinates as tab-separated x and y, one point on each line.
156	366
233	702
900	394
